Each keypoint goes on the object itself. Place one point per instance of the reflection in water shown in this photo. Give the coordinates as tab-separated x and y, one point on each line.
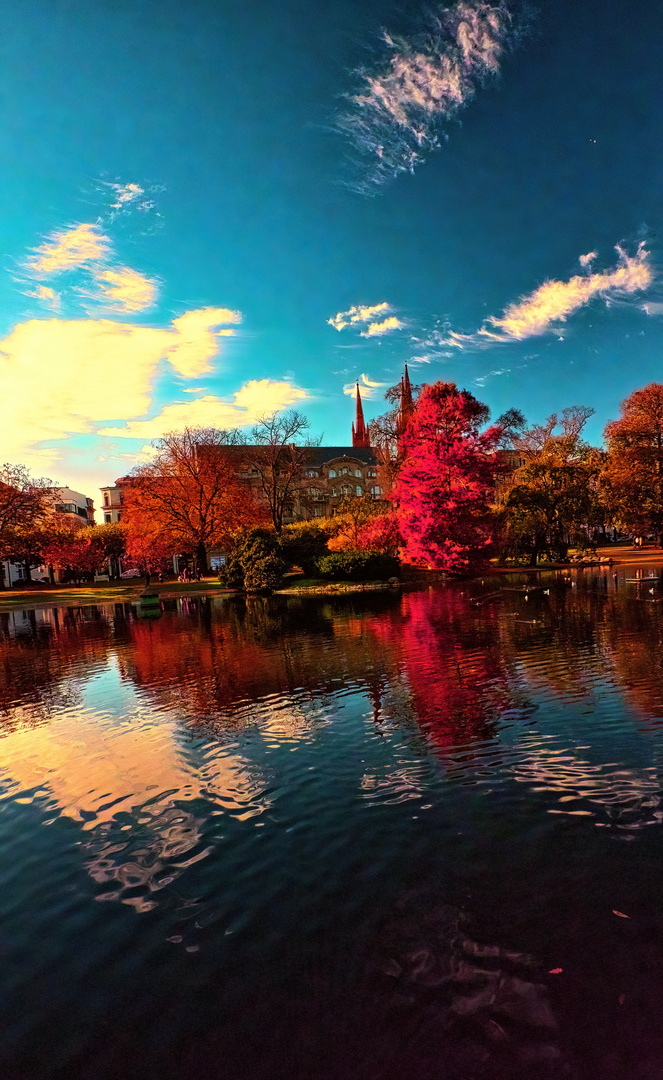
263	780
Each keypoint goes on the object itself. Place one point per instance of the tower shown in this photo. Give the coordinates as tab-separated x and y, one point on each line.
406	406
359	430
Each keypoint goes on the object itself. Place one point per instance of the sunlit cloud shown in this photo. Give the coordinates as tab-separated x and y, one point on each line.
122	290
481	379
360	313
62	377
586	260
48	296
376	329
258	397
368	388
418	84
653	307
66	249
126	193
553	302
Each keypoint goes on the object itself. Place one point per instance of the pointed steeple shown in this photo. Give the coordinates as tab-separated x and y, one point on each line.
406	406
359	429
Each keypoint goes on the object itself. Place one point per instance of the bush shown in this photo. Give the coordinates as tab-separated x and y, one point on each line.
265	574
357	565
302	544
255	563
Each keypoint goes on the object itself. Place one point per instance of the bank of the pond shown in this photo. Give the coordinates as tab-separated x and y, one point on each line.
120	592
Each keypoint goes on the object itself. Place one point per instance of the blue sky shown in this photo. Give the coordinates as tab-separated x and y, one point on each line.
213	210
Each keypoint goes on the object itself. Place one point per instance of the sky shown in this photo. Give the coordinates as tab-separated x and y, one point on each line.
212	211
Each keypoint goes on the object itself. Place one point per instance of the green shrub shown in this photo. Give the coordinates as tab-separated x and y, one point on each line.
357	565
302	544
255	563
264	574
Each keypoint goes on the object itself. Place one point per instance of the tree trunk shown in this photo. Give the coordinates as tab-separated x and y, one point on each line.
28	573
201	558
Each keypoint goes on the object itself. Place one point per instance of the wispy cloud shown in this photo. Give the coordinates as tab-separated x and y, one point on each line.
376	329
653	307
62	377
417	84
551	304
48	296
481	379
360	313
256	398
66	249
588	259
369	388
84	253
122	289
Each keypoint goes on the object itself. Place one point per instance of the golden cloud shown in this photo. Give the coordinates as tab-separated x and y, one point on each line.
376	329
60	377
67	249
554	301
258	397
123	290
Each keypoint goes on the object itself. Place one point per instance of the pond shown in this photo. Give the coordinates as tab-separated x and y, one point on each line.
366	837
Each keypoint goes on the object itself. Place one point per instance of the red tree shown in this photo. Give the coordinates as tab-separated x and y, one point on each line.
445	485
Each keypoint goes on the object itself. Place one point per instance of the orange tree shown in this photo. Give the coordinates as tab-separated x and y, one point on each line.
632	479
189	495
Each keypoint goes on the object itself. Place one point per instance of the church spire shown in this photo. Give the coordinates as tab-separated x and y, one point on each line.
359	429
406	406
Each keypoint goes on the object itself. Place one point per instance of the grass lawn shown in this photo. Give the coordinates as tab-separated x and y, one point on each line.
120	592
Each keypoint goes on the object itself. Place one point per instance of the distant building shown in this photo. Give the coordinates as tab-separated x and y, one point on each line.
111	503
66	505
72	504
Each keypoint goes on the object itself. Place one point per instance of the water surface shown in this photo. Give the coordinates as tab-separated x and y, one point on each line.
367	837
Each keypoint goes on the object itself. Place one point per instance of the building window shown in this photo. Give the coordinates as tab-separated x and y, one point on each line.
344	472
346	489
106	499
119	515
332	472
334	493
317	511
372	473
358	489
107	519
358	472
375	491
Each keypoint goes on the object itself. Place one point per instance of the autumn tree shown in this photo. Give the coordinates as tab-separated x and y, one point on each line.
24	503
190	492
444	487
278	458
353	513
553	497
76	553
632	480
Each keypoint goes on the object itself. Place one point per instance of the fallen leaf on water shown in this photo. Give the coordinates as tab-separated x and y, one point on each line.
555	971
621	999
621	914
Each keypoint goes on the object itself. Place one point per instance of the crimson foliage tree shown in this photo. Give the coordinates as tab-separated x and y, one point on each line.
445	485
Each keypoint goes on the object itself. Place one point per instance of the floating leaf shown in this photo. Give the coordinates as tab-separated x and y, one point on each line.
555	971
621	914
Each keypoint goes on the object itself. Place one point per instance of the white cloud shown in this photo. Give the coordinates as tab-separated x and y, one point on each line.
256	398
653	307
420	83
48	296
586	260
360	313
368	388
552	303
